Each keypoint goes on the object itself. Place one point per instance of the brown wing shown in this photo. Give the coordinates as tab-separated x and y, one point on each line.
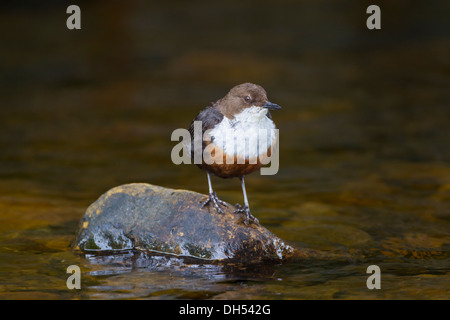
209	117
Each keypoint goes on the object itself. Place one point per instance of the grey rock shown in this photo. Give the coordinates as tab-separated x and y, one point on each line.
154	219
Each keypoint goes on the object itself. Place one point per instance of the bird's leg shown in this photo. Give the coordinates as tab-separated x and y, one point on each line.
213	198
245	208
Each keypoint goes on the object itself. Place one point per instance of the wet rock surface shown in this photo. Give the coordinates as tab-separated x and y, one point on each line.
150	218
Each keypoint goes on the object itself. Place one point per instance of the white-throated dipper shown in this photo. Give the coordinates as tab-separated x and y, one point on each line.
236	125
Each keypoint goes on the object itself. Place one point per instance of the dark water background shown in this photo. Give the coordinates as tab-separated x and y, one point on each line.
364	140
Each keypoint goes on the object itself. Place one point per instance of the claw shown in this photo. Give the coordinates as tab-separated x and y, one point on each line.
215	201
244	209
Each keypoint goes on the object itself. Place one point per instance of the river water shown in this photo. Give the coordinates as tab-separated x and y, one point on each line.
364	141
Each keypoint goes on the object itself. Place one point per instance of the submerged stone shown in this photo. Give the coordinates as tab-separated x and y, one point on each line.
150	218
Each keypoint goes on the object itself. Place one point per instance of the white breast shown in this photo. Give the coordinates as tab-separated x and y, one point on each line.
248	135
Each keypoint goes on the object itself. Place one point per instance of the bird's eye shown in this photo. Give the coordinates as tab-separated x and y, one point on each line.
247	98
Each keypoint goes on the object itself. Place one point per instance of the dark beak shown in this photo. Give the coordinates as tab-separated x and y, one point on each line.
271	106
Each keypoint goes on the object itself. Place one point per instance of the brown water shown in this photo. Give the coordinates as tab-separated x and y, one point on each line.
364	145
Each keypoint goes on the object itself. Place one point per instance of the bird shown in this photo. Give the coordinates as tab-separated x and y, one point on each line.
235	127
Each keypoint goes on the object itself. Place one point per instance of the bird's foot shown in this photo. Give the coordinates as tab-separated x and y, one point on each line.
248	216
214	199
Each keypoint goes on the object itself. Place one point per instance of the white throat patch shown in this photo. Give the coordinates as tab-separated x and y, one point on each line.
252	114
248	135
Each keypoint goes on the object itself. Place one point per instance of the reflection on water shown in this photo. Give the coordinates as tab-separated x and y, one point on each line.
364	158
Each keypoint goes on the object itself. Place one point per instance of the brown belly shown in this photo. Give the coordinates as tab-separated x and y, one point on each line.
237	168
230	170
